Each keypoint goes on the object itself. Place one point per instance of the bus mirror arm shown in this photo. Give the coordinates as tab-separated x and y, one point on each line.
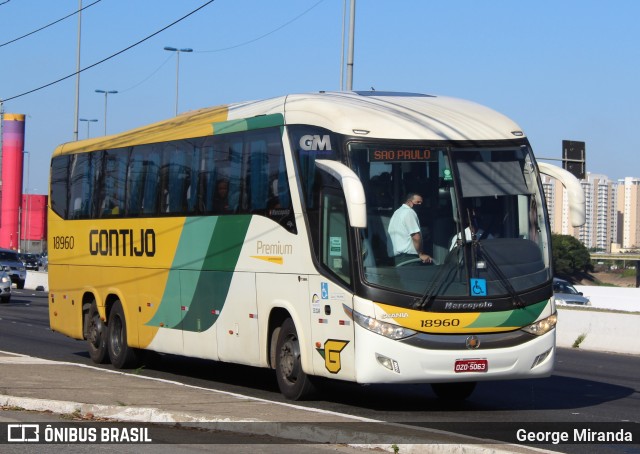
575	193
353	190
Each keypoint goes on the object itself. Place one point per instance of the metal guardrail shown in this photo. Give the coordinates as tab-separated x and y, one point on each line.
621	256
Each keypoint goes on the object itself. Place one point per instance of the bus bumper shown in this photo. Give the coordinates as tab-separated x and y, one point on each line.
383	360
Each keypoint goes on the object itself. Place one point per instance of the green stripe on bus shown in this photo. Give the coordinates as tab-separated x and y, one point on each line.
527	315
247	124
212	288
197	285
517	317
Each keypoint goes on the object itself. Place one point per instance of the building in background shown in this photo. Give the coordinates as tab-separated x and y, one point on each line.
599	230
33	225
628	209
612	209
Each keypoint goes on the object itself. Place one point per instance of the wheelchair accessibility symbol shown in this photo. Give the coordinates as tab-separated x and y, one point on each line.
478	287
324	290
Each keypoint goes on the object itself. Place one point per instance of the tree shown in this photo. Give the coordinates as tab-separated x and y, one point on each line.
570	256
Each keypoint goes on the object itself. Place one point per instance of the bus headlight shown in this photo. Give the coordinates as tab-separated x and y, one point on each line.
384	329
542	326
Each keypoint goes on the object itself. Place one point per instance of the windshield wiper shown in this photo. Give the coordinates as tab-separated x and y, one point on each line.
446	267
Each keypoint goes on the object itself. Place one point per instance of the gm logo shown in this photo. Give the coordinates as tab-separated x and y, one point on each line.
315	143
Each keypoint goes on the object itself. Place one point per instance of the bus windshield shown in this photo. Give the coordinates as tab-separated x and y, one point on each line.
480	216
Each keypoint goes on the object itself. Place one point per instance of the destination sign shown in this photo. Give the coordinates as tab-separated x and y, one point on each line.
401	154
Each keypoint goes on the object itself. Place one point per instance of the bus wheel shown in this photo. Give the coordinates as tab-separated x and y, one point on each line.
453	391
294	384
96	334
122	356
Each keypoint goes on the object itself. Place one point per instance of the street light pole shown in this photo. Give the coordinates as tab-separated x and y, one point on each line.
106	93
77	109
89	121
352	28
26	213
177	51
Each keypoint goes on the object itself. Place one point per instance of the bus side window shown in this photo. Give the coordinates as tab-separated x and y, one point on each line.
81	190
115	172
197	187
258	176
234	153
335	246
59	185
176	177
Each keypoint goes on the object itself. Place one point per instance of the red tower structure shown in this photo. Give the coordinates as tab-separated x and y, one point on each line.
12	169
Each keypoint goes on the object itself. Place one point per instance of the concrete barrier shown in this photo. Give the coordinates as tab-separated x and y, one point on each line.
610	324
37	280
602	330
618	298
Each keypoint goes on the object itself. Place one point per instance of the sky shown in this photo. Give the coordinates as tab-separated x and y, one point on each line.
563	70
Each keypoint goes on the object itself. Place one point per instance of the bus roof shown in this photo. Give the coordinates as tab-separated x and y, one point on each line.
382	115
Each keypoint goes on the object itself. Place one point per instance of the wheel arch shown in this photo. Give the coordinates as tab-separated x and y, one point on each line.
277	316
88	297
108	305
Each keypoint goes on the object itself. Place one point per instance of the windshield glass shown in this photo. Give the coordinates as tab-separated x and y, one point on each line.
451	221
565	287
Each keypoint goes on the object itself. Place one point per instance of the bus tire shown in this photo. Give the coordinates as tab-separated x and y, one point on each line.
453	391
294	384
95	332
122	356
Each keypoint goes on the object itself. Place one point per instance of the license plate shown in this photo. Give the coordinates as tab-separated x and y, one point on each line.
471	365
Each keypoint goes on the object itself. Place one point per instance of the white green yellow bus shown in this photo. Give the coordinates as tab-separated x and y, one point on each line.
257	233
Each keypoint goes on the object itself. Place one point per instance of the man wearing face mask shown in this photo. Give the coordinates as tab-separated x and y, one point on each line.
404	231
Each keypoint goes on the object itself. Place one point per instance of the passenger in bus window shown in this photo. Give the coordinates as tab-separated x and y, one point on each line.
481	228
110	206
221	197
404	231
475	226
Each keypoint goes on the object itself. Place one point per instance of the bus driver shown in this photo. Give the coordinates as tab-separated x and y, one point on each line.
404	231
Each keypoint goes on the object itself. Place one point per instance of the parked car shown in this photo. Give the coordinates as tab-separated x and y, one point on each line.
5	287
44	261
31	261
11	263
565	293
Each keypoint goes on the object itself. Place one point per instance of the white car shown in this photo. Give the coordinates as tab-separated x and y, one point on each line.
565	293
5	287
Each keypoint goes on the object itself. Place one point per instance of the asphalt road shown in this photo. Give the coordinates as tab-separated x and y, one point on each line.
586	386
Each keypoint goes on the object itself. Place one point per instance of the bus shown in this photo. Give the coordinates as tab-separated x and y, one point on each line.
257	233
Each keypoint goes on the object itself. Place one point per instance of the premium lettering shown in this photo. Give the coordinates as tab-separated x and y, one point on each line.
123	242
274	248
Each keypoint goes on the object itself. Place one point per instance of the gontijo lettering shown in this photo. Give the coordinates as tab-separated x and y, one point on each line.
125	242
